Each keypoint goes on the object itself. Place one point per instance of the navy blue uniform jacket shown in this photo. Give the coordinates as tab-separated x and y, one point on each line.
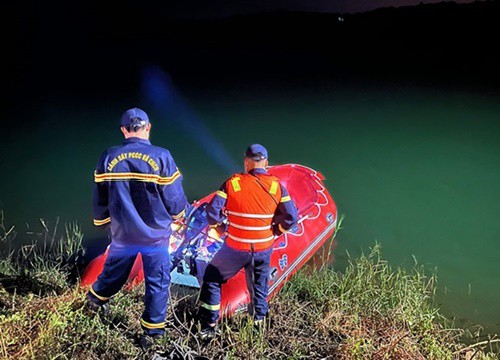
137	193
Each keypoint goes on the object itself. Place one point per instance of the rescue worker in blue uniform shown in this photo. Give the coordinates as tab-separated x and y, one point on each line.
257	208
137	195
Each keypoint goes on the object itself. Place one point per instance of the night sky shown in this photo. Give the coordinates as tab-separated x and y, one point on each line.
88	48
223	8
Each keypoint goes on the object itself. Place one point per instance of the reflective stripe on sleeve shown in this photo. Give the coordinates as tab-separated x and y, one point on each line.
285	198
102	222
247	215
222	194
250	241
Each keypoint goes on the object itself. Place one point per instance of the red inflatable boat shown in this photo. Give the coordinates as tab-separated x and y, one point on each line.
194	245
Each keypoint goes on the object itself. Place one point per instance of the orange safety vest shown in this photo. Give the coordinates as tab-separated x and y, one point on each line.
251	203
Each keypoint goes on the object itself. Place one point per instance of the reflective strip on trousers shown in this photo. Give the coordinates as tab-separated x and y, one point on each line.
210	307
152	326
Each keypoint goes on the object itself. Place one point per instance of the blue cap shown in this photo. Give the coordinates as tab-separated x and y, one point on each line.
130	117
256	152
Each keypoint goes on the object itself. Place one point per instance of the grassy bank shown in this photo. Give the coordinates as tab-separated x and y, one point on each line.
369	311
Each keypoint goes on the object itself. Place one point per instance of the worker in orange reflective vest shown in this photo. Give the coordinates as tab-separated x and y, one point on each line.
257	209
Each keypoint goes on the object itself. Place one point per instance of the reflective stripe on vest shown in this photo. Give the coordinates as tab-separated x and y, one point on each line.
250	241
251	228
274	187
236	184
253	216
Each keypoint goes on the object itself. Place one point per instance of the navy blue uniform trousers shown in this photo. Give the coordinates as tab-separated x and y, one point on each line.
156	265
225	264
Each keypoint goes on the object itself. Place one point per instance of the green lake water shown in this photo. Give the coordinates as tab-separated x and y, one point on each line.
413	168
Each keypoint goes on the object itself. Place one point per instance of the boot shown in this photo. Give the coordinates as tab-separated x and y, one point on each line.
100	309
146	341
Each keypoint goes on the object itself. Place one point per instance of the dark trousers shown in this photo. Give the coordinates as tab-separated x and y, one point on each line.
156	265
225	264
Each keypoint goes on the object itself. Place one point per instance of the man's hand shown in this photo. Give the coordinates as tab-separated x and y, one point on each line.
278	230
178	225
219	229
